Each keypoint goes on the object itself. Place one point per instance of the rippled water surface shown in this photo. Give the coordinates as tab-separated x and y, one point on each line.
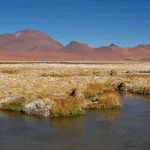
124	129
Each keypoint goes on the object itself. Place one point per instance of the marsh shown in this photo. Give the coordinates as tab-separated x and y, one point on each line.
126	129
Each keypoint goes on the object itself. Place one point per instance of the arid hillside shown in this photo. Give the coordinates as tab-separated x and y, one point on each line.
35	45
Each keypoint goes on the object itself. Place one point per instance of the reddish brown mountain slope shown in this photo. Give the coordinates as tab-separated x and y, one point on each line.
140	51
28	40
108	52
76	47
36	45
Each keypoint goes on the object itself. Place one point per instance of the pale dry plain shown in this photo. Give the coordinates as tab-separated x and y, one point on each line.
55	90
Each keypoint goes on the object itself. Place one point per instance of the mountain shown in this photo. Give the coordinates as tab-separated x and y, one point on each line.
76	47
114	46
32	44
28	40
138	52
108	52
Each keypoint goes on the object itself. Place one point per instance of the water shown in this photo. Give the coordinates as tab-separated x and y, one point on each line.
124	129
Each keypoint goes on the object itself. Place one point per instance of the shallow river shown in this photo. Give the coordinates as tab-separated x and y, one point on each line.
124	129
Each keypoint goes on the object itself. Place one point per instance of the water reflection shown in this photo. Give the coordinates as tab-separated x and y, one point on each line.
18	116
10	114
73	125
126	95
108	115
145	97
131	96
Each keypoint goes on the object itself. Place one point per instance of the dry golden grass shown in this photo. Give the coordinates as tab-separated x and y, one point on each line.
132	76
9	70
2	94
51	82
67	107
93	89
15	104
96	89
13	70
145	90
108	100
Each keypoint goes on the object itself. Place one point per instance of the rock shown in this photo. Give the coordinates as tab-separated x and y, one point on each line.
73	93
38	108
122	86
85	104
95	99
89	103
7	99
128	72
113	73
44	74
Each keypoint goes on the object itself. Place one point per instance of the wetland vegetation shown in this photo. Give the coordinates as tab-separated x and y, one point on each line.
63	90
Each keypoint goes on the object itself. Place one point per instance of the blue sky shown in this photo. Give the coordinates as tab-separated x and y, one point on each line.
96	22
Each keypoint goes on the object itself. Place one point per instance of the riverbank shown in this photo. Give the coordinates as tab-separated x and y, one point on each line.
62	90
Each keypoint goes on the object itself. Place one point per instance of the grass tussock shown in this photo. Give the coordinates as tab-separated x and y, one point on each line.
92	90
67	107
108	100
141	90
15	104
144	71
9	70
2	94
113	73
96	89
133	76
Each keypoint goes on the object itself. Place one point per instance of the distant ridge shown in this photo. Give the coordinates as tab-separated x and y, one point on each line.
31	44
